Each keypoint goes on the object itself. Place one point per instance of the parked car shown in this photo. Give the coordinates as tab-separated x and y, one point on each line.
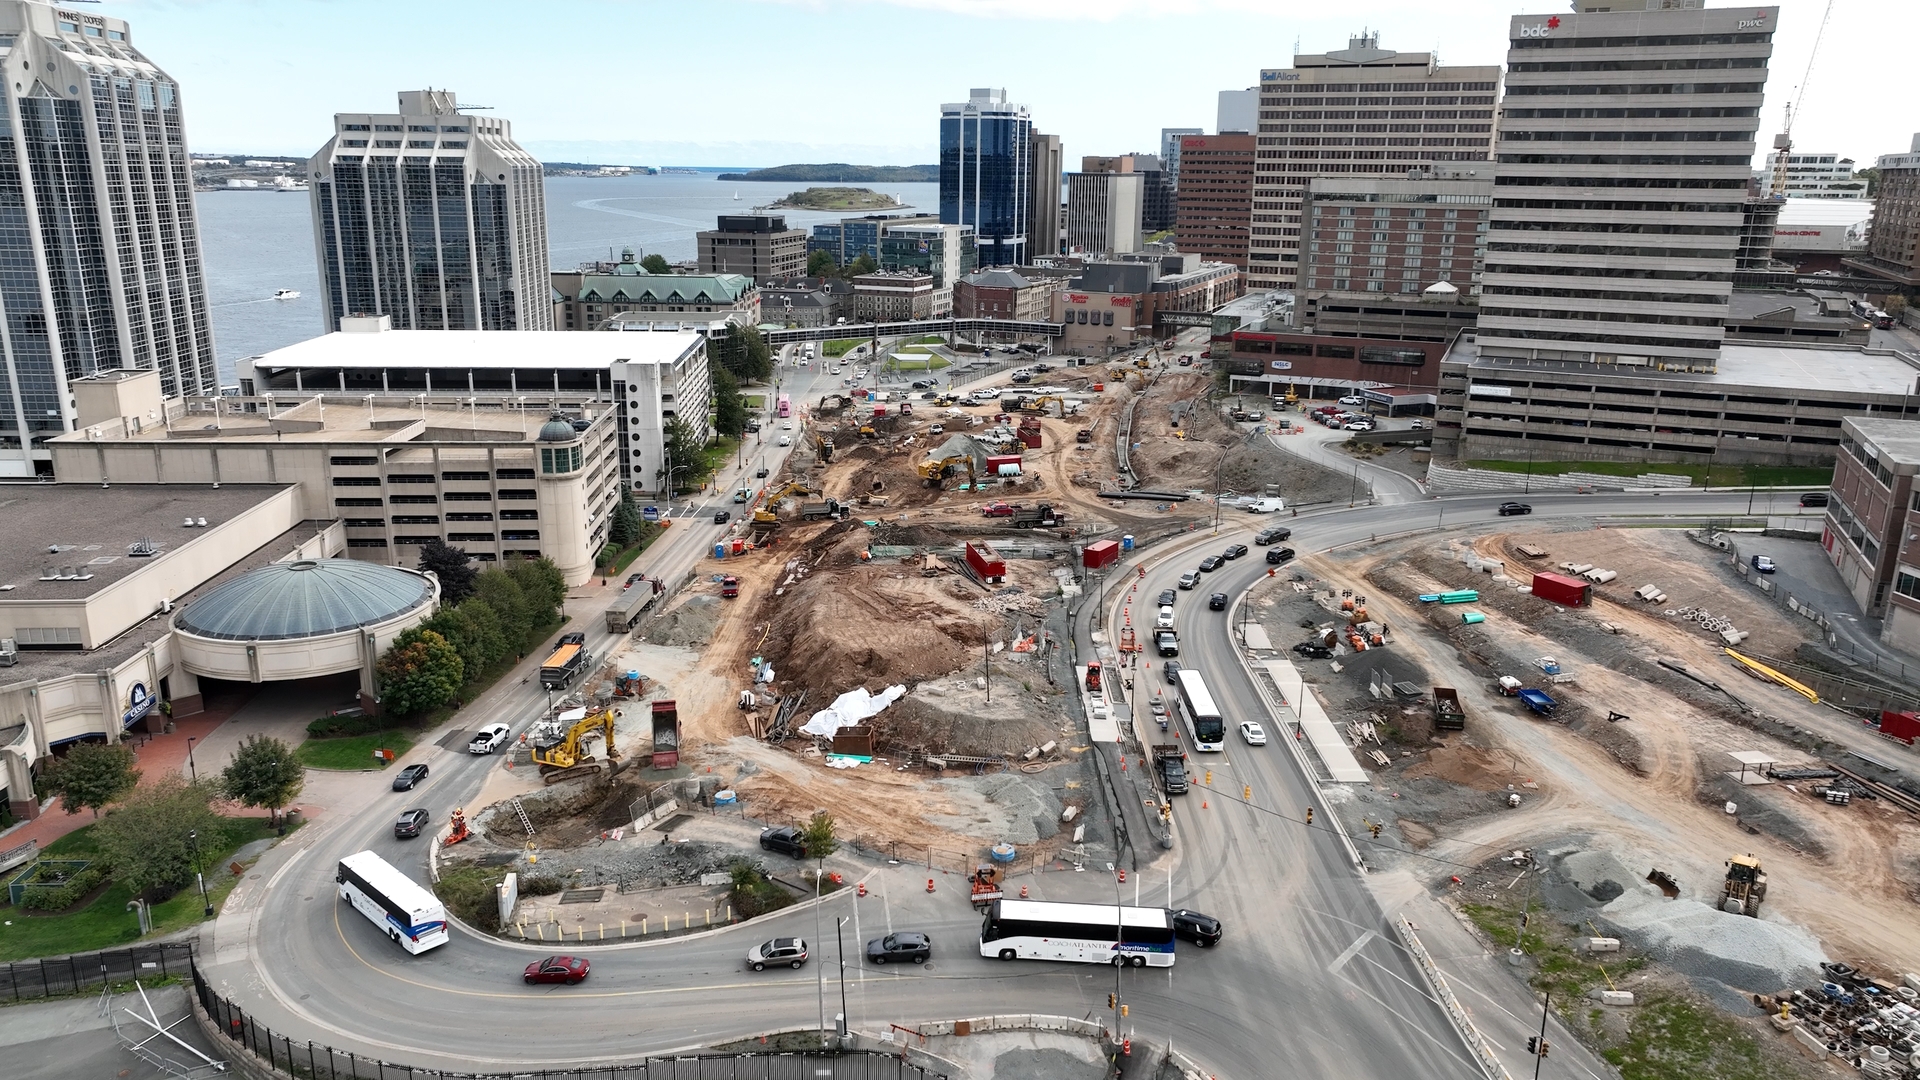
1353	399
752	426
1251	731
488	739
406	778
784	839
1211	563
923	384
788	951
1172	669
937	429
410	823
1276	556
902	945
1814	498
1312	651
1360	425
1273	535
1202	930
558	969
1234	552
1507	509
1217	602
721	517
1167	597
1763	564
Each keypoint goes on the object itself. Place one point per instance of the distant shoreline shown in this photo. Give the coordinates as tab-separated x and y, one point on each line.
838	173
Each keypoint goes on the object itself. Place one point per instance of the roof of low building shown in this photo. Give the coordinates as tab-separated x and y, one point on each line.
664	288
1835	369
308	598
996	278
460	350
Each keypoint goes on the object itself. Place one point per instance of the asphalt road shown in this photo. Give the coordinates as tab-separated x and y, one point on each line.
1306	973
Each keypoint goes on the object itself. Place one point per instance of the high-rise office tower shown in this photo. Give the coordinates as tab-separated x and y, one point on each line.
1360	111
1626	145
1043	194
99	240
430	216
1238	111
986	149
1215	216
1103	211
1170	152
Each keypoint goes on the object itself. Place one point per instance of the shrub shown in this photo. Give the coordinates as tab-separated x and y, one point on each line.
541	885
468	892
754	893
341	727
72	892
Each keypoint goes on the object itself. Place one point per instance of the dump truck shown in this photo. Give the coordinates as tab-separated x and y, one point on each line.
633	602
1166	642
825	508
1745	888
1039	517
569	658
1170	762
1447	713
1538	701
666	734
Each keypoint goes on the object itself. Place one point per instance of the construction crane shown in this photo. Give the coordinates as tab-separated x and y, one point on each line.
934	470
1783	142
568	758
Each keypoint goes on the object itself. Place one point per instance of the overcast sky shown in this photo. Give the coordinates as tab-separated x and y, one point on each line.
764	82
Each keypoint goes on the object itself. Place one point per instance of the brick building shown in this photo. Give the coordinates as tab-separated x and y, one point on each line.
1871	517
1215	197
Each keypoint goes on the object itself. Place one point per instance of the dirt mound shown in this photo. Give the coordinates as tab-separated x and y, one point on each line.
690	622
1469	766
956	716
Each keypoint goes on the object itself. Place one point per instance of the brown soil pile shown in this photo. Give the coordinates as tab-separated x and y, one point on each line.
1470	766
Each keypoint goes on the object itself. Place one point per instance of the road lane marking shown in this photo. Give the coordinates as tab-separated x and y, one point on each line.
1352	950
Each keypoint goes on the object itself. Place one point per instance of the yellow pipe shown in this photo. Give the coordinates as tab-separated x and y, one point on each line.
1768	673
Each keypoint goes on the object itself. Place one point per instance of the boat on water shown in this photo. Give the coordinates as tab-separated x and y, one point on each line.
288	183
736	196
286	294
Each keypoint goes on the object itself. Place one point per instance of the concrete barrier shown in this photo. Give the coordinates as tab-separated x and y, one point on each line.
1490	1066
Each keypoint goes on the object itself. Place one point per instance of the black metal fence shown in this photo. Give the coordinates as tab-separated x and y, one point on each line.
308	1059
28	979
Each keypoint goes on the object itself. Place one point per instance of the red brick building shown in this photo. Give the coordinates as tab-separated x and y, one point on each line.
1003	294
1214	203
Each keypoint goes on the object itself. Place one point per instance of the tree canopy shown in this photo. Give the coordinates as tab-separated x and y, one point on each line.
745	354
263	772
150	839
421	671
729	405
92	775
820	264
683	449
451	565
656	264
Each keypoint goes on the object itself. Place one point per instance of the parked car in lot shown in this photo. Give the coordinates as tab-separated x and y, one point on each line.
1353	399
1217	602
1273	535
1202	930
1211	563
1359	425
1251	731
406	778
1814	498
904	945
1188	581
410	823
1167	597
558	969
1508	509
1276	556
1313	651
788	951
923	384
1763	564
488	739
1234	552
784	839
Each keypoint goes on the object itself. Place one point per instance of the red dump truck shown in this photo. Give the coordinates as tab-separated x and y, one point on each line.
986	564
666	734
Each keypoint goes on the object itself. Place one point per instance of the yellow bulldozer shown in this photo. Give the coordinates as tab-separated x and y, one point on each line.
1746	886
568	757
1039	404
934	470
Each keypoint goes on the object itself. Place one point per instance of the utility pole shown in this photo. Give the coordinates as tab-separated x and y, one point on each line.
1540	1045
840	948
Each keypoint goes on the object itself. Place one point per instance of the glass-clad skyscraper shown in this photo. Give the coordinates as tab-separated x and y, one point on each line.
986	147
432	217
99	243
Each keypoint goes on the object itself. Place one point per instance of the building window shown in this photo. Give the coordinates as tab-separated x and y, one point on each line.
355	461
465	476
356	481
357	542
514	474
1906	582
470	538
517	493
359	502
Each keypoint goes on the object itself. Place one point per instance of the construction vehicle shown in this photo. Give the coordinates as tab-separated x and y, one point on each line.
1039	517
458	829
633	602
1447	713
824	508
825	446
1093	676
985	886
1129	642
630	684
729	587
934	470
666	734
833	403
1746	886
867	432
1029	433
1039	404
765	515
1084	435
567	757
1538	701
569	658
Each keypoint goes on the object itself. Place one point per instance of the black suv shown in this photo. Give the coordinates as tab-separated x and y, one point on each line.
410	823
1510	508
1217	602
1814	498
1202	930
1172	669
785	839
1313	651
1167	597
1272	536
408	777
1276	556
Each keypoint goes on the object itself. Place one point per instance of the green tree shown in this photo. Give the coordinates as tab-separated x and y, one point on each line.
862	264
473	630
821	264
93	775
263	772
497	589
543	586
656	264
818	836
745	354
149	840
624	529
419	671
453	568
729	405
683	449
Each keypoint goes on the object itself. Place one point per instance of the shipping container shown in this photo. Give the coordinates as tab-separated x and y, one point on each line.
1903	726
985	563
1099	554
1561	589
997	464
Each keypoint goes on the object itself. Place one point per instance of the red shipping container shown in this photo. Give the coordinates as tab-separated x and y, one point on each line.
1102	553
1561	589
1903	726
985	562
996	461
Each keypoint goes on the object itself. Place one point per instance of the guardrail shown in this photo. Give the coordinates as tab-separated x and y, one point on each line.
1490	1066
19	856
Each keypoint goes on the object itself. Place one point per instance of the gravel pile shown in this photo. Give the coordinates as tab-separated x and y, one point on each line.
1031	805
693	622
638	862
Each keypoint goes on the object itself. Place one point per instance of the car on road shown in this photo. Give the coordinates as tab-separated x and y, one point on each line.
1418	425
1276	556
1188	581
1167	597
752	427
786	440
1251	731
784	839
1159	711
1211	563
1217	602
1353	399
760	473
786	425
1234	552
781	951
488	739
558	969
633	577
1313	650
1163	620
406	778
1273	535
1763	564
1814	498
410	823
1202	930
721	517
1172	670
1359	425
1508	509
903	945
923	384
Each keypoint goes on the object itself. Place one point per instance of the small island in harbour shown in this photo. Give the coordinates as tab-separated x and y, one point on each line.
838	198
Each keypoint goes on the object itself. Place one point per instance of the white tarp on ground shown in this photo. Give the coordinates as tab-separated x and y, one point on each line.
851	709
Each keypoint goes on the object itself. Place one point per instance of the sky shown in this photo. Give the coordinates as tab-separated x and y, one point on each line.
767	82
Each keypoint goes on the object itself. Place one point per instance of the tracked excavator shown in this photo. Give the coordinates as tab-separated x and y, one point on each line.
934	470
568	757
764	515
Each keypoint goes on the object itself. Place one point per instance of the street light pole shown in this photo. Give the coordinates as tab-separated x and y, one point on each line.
840	949
193	837
193	774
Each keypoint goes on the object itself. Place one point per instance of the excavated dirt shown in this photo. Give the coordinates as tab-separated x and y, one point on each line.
1183	440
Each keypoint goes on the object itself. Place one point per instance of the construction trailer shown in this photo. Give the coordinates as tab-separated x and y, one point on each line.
1561	589
1100	553
986	564
1903	727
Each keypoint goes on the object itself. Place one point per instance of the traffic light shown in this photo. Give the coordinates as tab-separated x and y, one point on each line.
1123	1012
1544	1047
1309	815
1533	1041
1112	1001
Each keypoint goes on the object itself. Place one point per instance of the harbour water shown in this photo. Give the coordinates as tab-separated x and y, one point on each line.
257	242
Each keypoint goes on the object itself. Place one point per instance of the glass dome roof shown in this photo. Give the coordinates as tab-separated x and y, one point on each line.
302	599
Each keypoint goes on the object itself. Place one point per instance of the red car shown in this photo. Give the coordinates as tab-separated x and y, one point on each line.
558	969
998	509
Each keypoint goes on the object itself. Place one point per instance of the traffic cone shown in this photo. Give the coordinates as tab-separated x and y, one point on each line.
861	889
1023	892
929	884
1203	806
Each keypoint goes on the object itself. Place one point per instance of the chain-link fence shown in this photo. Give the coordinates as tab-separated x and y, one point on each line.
29	979
303	1058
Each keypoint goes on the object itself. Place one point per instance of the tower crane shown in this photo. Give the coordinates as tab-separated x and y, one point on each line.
1783	142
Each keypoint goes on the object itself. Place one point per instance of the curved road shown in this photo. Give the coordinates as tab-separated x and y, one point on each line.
1307	970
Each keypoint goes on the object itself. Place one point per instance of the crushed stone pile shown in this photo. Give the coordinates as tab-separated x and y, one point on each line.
1032	807
692	622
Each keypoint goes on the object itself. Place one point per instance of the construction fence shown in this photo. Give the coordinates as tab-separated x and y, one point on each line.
26	980
304	1058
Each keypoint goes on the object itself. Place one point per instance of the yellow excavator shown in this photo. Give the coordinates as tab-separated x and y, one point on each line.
764	515
934	470
568	757
1039	404
825	446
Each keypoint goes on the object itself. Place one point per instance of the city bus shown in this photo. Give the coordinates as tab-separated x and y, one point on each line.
785	406
1204	723
1078	933
410	915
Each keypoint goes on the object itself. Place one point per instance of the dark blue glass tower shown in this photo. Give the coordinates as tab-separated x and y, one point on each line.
986	147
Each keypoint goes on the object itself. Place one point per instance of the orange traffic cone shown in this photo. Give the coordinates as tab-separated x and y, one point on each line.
929	884
1123	877
1203	806
1023	892
861	889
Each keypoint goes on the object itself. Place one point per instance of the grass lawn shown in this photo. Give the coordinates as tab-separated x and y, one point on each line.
929	339
106	923
931	363
755	401
1721	475
354	753
839	346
